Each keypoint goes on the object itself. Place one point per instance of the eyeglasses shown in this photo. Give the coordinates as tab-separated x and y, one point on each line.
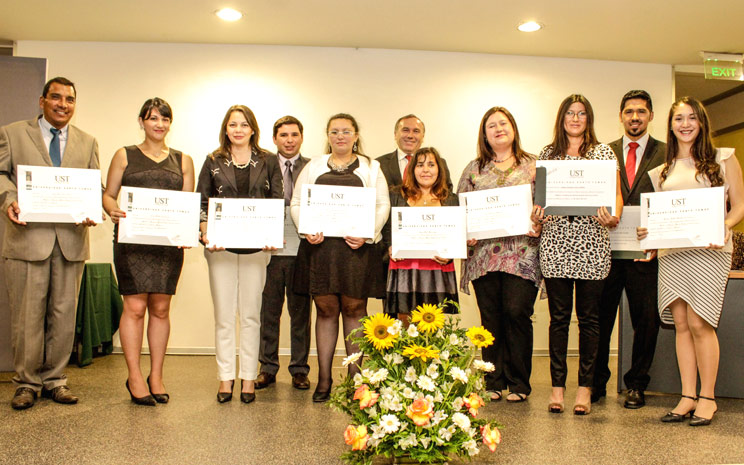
570	114
335	133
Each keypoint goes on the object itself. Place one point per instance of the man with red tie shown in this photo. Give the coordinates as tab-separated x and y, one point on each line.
637	153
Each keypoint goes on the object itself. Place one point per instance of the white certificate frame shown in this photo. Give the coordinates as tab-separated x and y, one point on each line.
245	223
683	218
576	187
425	232
499	212
159	217
337	211
624	237
58	195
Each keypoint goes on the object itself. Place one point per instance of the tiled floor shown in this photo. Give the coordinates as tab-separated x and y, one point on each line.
284	427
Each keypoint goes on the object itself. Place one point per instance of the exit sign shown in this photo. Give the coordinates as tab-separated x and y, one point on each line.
723	66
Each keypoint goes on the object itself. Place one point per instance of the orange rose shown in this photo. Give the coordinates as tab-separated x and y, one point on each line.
356	437
473	402
491	437
420	411
365	397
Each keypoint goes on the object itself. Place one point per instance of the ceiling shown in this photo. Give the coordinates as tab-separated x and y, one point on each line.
652	31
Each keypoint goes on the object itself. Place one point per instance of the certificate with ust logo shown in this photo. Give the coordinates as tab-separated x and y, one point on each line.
245	223
426	232
500	212
58	195
576	187
683	218
159	217
337	211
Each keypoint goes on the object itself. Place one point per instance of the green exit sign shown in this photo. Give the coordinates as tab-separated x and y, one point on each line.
721	66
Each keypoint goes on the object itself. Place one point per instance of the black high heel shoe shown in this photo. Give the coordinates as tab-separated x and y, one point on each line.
147	400
322	396
223	397
159	398
672	417
246	397
700	421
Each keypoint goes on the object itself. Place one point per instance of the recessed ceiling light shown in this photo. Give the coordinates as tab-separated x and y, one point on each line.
228	14
530	26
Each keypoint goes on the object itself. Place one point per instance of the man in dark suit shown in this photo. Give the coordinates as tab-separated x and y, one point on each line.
279	273
409	134
43	261
637	153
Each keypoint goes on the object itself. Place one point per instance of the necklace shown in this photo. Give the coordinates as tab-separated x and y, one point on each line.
241	166
502	161
163	152
340	167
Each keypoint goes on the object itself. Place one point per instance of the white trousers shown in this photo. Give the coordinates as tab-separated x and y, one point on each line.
237	282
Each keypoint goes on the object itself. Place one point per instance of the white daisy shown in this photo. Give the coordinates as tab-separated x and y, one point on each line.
458	403
408	393
458	374
352	358
378	376
461	420
389	423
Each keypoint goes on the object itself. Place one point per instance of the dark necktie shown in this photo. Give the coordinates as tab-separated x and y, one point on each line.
288	185
54	152
405	170
630	163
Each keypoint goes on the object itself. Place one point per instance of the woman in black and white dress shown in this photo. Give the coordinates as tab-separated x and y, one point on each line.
692	281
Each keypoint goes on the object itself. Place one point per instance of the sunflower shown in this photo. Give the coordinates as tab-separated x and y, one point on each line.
480	337
429	318
376	331
417	351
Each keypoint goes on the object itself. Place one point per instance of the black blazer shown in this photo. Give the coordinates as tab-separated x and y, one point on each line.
391	170
217	179
652	157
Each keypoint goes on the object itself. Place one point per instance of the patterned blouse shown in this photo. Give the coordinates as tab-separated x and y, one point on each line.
517	255
575	247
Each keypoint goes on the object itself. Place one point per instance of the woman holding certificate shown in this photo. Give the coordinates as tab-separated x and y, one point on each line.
692	281
575	254
148	274
239	168
505	271
414	282
341	273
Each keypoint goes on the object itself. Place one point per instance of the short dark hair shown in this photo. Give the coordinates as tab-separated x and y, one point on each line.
287	120
641	94
58	80
411	115
157	103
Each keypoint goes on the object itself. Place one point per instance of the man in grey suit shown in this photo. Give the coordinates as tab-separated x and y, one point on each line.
637	153
279	274
43	261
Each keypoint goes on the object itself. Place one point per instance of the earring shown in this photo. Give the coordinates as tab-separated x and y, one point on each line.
354	148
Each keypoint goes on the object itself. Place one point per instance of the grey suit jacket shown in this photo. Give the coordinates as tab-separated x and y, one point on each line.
21	143
391	170
652	157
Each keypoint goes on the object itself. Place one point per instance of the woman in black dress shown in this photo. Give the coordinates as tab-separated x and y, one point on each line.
341	273
148	274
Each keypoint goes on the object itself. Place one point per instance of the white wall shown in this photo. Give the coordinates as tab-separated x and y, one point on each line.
449	91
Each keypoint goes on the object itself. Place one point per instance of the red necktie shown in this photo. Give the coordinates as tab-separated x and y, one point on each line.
405	170
630	162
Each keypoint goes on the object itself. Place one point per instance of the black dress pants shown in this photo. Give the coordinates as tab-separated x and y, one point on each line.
506	303
560	304
639	279
279	280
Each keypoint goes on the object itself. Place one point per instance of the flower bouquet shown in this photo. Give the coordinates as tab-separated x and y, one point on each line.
419	389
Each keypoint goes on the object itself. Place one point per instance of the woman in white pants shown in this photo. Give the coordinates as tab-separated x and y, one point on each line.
239	168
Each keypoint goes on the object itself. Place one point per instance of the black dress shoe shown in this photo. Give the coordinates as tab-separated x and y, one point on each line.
300	381
672	417
24	398
60	394
223	397
635	399
264	380
147	400
322	396
247	397
159	398
597	394
700	421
